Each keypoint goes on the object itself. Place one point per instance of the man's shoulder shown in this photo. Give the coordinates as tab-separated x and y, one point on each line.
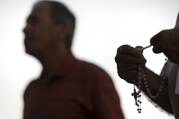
89	66
94	70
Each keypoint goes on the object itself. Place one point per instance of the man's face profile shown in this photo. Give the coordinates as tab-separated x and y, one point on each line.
39	29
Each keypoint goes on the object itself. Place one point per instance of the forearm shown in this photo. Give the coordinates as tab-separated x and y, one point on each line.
153	84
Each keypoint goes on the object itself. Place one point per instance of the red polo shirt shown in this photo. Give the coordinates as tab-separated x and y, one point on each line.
81	91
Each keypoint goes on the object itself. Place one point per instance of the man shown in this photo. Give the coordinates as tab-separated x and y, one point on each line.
163	89
67	88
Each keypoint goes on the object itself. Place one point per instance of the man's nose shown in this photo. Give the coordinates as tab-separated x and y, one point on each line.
28	28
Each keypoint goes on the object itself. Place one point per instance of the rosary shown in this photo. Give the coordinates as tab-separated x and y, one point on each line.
142	78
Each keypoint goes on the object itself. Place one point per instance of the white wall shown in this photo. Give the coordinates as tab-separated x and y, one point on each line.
102	26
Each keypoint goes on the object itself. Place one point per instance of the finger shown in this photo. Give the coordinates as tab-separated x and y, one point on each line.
159	37
155	39
156	42
157	49
126	49
128	59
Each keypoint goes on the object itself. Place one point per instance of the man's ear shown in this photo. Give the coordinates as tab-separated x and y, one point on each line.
62	30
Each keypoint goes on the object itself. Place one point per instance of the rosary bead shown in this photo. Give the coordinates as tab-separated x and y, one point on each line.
137	95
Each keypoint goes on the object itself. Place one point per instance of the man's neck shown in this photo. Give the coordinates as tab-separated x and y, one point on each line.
53	61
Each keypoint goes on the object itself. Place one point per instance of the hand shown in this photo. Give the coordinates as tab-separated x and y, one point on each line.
167	41
128	59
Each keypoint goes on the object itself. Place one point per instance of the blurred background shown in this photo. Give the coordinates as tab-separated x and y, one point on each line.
102	26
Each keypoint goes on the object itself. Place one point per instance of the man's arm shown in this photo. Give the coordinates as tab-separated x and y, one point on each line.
154	82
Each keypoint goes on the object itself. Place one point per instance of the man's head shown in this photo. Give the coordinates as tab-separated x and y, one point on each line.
49	24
